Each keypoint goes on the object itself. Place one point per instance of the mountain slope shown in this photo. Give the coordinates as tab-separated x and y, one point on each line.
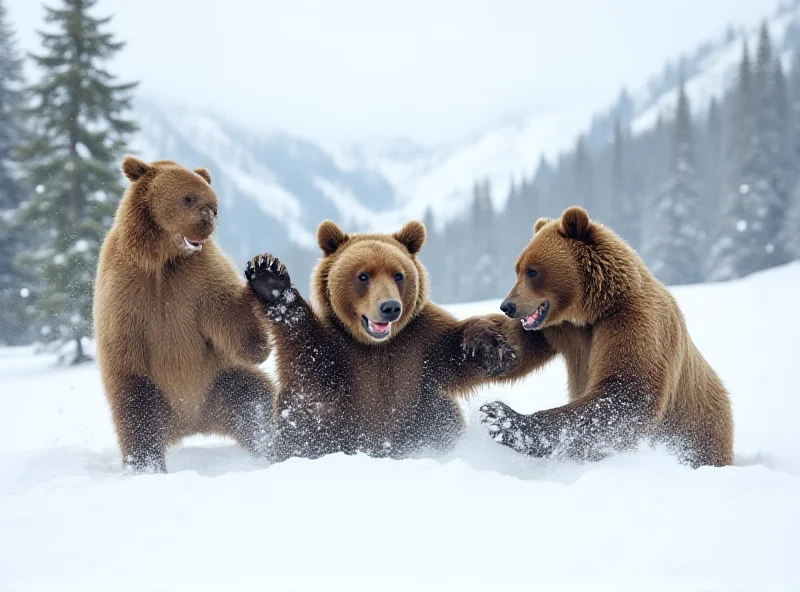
276	188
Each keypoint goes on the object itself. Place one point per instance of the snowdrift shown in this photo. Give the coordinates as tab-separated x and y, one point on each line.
483	516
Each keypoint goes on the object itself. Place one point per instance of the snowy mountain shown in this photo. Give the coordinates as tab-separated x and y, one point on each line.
276	188
482	518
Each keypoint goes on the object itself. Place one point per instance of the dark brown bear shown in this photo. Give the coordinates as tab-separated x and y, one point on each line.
634	372
180	335
375	368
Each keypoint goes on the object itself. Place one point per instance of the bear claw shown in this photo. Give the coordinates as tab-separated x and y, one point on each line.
268	277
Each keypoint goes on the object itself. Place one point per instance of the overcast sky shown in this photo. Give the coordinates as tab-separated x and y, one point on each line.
364	70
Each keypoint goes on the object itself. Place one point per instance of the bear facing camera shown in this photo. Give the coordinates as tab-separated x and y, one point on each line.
374	366
180	335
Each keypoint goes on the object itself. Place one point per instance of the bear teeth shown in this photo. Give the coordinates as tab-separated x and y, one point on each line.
192	246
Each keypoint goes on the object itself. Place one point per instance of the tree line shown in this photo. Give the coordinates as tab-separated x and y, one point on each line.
706	196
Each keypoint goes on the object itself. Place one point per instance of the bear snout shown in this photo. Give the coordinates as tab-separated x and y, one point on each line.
390	310
509	308
208	218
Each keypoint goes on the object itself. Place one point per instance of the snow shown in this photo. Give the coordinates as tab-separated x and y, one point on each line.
481	517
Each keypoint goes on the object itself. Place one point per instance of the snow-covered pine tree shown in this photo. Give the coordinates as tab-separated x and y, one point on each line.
742	244
624	213
14	291
791	229
583	177
675	240
711	165
71	164
775	160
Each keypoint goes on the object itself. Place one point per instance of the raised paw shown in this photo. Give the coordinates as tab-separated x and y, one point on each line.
268	277
483	343
512	429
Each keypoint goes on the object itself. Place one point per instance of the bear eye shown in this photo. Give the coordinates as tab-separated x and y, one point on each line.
532	272
363	277
188	199
398	277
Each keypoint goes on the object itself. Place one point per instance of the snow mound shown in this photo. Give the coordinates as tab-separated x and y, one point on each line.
481	517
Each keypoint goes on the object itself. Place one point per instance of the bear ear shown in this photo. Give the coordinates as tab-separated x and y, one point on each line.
330	237
411	236
203	172
575	223
539	223
135	168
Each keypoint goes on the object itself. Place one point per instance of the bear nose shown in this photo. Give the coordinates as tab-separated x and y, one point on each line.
390	310
209	217
508	308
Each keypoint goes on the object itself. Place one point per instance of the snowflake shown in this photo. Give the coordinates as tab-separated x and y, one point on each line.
24	292
59	259
46	330
75	319
744	188
741	225
81	246
40	189
769	248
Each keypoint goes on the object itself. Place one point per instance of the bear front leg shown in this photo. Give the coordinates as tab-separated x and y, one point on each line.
613	417
239	404
269	279
142	416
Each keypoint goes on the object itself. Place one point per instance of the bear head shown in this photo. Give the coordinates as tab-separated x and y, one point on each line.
372	284
177	202
573	270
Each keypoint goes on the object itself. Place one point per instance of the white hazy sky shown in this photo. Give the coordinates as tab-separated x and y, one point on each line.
365	70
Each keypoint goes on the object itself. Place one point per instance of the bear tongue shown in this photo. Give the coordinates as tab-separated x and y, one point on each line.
379	328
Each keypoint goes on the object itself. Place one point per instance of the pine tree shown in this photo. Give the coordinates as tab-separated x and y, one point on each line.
712	163
71	163
625	212
774	160
583	177
13	291
743	243
674	242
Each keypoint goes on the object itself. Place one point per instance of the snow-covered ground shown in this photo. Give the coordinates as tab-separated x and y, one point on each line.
483	518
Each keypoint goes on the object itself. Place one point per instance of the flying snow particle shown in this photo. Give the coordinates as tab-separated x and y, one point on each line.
81	246
24	292
46	330
59	259
744	189
40	189
769	248
741	225
75	319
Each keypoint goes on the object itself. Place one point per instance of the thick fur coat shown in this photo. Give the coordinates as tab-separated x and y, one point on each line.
375	366
634	372
180	334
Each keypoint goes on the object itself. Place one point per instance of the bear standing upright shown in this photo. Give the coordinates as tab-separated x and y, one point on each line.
180	335
633	370
375	367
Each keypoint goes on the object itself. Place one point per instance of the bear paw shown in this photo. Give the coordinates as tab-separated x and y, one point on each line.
488	347
268	277
513	429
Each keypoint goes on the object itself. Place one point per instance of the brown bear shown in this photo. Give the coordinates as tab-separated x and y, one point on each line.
375	366
179	332
633	370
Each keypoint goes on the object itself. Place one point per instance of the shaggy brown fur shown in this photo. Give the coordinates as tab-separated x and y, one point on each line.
350	382
634	372
180	335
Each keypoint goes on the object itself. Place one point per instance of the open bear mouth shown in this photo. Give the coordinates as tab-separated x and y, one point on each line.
537	317
376	330
192	245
